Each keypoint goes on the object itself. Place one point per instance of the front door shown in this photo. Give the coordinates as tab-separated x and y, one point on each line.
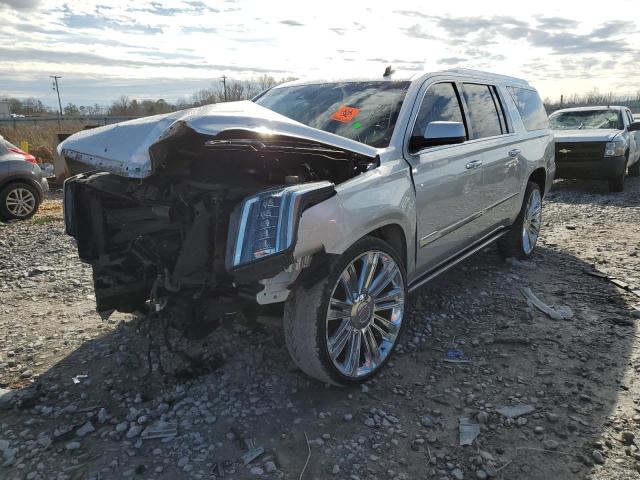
448	181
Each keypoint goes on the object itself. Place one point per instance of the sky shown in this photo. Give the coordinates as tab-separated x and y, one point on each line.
171	48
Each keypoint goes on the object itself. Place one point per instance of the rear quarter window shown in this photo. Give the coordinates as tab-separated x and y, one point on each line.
530	108
483	113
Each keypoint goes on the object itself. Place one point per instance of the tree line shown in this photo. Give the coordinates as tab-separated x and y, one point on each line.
234	90
592	98
231	90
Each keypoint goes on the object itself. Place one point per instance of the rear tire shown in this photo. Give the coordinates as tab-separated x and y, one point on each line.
18	201
523	235
367	319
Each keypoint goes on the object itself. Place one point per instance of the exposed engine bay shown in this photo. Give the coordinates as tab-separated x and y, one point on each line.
171	238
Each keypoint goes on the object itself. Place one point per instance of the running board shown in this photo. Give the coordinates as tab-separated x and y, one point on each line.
453	261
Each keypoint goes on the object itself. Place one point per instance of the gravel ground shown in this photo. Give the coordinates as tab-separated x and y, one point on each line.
82	402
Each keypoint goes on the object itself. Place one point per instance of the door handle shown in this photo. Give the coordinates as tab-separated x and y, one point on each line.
473	164
514	153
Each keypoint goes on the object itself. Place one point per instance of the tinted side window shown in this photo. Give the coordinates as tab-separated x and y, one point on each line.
440	104
530	108
500	108
483	114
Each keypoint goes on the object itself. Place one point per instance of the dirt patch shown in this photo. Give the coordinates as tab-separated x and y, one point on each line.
95	410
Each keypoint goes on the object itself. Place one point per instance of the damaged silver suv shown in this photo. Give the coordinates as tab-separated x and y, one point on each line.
330	199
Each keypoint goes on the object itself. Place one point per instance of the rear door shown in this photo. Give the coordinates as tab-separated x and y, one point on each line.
497	146
447	181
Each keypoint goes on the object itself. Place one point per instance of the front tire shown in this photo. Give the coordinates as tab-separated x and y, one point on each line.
634	170
18	201
343	329
617	184
523	235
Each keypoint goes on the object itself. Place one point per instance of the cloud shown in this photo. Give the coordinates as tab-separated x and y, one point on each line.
565	43
20	4
416	31
85	58
467	25
83	89
156	8
556	23
199	29
613	28
550	32
452	60
411	13
102	22
172	39
291	23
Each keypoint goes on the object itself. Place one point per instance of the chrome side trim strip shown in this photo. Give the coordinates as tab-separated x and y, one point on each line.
500	202
455	259
432	237
429	238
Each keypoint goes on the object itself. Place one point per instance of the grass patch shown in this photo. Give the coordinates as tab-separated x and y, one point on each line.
46	219
41	135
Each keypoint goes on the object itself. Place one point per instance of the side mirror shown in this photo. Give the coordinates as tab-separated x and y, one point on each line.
634	127
439	133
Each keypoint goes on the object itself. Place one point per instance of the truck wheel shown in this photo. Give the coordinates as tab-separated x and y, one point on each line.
19	201
524	233
634	170
343	329
617	184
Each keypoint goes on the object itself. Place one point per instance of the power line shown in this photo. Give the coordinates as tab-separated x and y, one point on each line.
57	89
224	85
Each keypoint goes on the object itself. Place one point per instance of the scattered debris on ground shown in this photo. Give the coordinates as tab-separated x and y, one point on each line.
83	397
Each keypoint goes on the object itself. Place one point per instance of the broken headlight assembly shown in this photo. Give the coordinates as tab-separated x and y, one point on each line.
614	149
264	226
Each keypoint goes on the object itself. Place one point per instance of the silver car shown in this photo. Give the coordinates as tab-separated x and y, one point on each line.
326	202
22	183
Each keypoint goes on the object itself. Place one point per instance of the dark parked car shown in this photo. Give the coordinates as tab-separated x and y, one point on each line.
22	185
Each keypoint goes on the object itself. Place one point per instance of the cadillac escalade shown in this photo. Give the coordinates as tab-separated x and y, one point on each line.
331	200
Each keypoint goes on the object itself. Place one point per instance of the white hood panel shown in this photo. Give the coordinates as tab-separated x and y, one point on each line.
123	148
594	135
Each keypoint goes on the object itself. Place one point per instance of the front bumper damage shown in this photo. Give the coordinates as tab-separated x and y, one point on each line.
170	240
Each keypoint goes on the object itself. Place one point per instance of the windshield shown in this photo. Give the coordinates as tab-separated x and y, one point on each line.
361	111
586	120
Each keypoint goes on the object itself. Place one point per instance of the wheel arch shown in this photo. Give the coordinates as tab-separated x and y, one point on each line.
22	179
539	176
394	235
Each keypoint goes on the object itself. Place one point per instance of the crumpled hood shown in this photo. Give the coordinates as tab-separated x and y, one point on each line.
123	148
594	135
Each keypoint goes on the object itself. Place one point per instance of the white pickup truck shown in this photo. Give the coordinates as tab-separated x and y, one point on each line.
597	143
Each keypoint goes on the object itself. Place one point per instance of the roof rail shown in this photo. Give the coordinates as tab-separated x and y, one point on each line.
481	73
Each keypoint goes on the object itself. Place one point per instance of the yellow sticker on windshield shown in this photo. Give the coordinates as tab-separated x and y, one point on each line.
345	114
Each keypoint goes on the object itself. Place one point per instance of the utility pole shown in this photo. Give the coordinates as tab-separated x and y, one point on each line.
57	89
224	85
561	100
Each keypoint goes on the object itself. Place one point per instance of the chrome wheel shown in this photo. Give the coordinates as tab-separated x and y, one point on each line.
531	222
20	202
365	314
